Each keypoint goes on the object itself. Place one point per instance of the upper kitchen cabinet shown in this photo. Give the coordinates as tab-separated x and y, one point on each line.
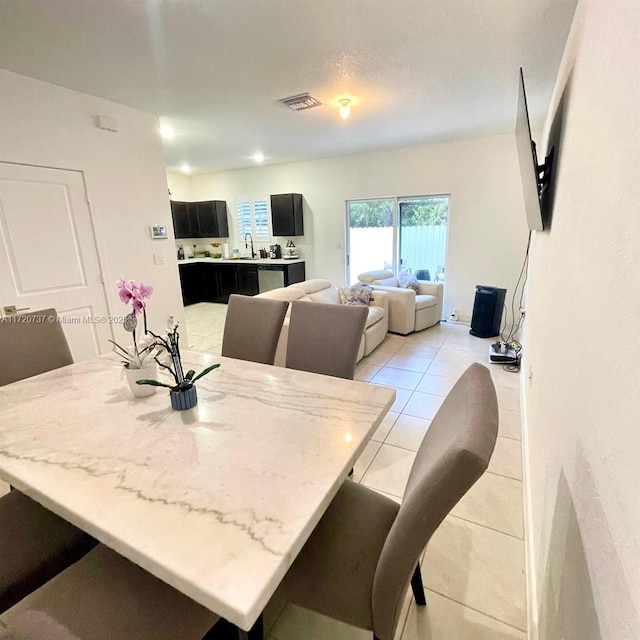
185	223
206	219
286	214
212	219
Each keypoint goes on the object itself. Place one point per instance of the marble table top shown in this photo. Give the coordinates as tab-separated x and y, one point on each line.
216	501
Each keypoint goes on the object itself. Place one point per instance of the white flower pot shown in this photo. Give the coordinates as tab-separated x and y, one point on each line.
150	372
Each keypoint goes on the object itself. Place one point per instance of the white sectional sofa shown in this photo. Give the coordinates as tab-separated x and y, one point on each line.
323	291
408	310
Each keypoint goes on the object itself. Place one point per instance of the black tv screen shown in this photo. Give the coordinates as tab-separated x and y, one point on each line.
528	161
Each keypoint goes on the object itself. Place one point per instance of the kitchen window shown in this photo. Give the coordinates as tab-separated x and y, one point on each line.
252	215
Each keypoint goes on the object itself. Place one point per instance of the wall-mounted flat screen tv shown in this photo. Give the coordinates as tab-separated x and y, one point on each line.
535	177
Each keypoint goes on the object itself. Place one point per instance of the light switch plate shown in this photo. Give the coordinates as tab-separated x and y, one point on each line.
158	258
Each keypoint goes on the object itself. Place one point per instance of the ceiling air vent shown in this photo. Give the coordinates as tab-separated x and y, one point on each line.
301	102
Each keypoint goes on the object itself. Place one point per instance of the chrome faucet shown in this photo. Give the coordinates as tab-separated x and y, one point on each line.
246	246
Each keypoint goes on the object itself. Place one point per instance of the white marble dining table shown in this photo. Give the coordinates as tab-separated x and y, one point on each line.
217	501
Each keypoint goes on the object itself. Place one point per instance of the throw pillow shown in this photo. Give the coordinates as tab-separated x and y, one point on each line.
357	295
408	281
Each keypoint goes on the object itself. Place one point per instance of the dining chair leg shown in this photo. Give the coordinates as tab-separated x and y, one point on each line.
255	633
417	587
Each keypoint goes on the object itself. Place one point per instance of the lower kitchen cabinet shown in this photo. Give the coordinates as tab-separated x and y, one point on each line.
215	282
192	282
247	279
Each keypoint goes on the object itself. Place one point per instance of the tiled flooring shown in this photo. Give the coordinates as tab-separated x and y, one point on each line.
473	567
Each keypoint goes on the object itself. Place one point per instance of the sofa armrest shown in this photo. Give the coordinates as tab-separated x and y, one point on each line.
380	299
402	308
433	289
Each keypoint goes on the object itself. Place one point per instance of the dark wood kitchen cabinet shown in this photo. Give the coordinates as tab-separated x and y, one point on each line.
286	214
206	219
216	281
212	219
247	279
192	282
184	219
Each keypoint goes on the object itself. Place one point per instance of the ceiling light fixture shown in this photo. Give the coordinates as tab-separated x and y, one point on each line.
185	168
258	157
167	132
345	109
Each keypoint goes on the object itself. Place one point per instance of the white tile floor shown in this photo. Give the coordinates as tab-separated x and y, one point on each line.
473	567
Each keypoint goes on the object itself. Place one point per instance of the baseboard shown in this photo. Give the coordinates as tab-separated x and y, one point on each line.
529	547
460	321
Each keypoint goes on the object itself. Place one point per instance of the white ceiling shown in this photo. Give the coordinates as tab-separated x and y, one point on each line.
417	70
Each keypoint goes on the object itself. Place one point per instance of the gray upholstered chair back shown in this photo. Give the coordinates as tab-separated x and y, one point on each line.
252	328
324	338
31	344
454	453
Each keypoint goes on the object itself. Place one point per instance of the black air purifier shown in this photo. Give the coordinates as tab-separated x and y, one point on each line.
487	311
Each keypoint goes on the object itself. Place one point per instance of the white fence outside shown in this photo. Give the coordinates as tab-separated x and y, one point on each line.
420	248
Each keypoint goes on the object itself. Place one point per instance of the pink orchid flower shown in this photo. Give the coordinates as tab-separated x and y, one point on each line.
131	291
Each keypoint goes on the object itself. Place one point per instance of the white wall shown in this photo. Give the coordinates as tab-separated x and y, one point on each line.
179	186
582	410
487	235
42	124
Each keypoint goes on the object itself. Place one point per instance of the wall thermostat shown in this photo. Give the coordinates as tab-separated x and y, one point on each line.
159	231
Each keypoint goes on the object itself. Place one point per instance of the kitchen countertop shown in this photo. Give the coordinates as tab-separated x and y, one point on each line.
275	261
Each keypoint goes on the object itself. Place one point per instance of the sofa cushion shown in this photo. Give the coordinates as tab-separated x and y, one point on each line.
375	314
425	301
312	286
387	282
329	296
288	294
370	276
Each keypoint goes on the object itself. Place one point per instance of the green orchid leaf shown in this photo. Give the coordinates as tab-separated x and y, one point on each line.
154	383
122	350
190	374
206	371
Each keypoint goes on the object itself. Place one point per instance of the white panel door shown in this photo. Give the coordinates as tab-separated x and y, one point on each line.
48	255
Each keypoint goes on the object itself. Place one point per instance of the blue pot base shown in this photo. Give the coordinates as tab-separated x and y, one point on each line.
182	400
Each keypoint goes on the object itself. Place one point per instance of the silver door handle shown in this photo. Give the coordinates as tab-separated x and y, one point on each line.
12	311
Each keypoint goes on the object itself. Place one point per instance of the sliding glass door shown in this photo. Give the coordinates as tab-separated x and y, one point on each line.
398	234
370	237
422	241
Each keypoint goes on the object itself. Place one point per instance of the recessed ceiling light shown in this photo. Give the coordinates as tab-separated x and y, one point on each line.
345	109
185	168
167	132
258	157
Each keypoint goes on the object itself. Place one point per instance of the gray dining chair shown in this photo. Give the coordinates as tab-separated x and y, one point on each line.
324	338
360	558
252	328
31	344
35	544
103	596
